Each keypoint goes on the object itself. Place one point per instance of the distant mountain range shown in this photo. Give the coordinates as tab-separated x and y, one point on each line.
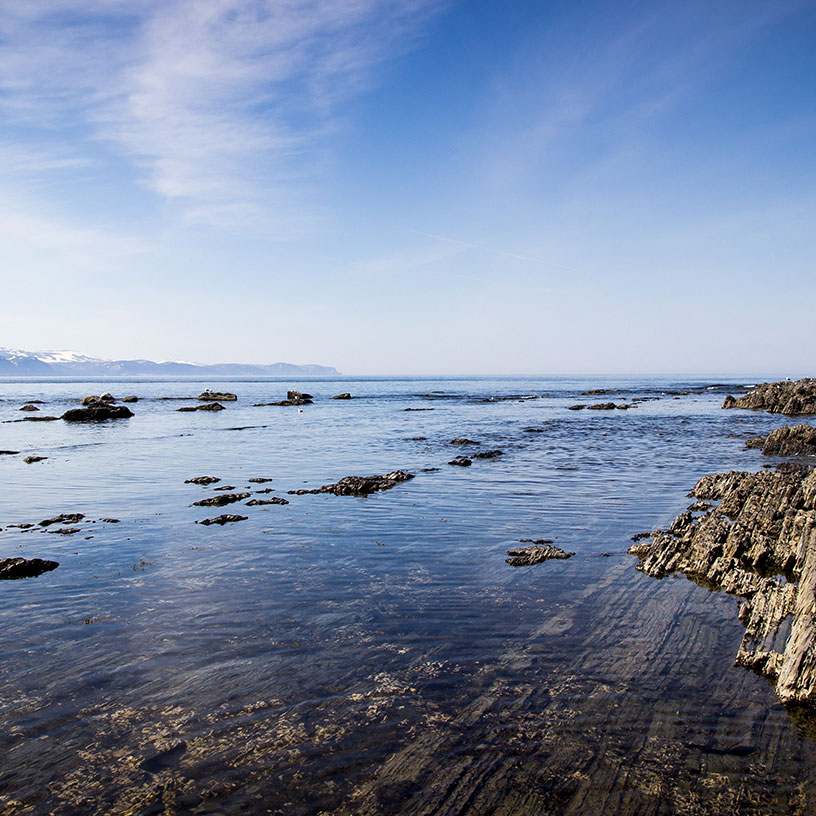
16	363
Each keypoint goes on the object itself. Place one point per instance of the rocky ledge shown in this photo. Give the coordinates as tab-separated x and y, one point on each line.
11	568
790	398
97	412
796	440
759	543
537	552
216	396
359	485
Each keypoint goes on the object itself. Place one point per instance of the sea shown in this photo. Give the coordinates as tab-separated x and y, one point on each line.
378	655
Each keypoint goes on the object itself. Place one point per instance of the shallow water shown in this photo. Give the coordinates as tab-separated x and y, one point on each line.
377	655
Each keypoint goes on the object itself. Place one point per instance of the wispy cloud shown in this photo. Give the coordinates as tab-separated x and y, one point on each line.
220	105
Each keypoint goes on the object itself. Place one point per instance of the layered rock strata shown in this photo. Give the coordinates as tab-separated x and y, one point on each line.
788	398
759	543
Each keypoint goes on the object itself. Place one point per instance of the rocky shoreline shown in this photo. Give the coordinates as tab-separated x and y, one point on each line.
758	542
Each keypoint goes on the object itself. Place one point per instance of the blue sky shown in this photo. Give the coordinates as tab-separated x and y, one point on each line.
412	186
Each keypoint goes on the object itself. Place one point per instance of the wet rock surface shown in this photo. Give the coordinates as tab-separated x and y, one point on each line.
222	499
63	518
798	440
462	440
130	398
29	460
13	568
29	407
535	554
790	398
8	453
460	461
202	480
488	454
260	502
359	485
223	519
216	396
209	406
97	413
759	543
343	396
93	400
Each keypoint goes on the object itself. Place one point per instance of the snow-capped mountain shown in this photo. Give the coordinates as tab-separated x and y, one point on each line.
17	363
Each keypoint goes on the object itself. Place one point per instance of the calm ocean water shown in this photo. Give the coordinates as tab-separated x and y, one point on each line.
377	655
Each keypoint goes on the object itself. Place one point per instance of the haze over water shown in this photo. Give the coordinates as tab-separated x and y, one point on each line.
377	655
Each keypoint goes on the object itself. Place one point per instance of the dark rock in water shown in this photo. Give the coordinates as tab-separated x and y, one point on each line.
539	541
8	453
461	440
489	454
430	470
417	409
461	461
168	758
65	531
265	490
209	406
754	442
416	439
259	480
798	440
202	480
110	520
763	528
598	392
788	398
130	398
34	402
223	519
63	518
576	407
93	400
225	487
535	554
640	536
11	568
292	398
24	526
29	407
359	485
220	501
31	459
97	413
602	406
38	419
215	396
343	396
297	395
273	500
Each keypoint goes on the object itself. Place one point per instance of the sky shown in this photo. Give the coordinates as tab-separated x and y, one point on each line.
412	186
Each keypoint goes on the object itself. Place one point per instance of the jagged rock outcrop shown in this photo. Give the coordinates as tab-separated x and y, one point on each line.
202	480
359	485
63	518
260	502
796	440
292	398
535	554
11	568
759	543
225	519
790	398
97	413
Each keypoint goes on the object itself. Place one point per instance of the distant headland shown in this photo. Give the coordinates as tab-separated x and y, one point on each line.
16	363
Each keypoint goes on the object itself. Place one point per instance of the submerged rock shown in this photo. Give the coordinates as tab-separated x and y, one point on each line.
97	413
260	480
130	398
359	485
225	519
292	398
602	406
488	454
63	518
273	500
788	398
576	407
29	407
215	396
461	461
463	440
763	528
798	440
343	396
202	480
8	453
209	406
12	568
29	460
221	500
535	554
